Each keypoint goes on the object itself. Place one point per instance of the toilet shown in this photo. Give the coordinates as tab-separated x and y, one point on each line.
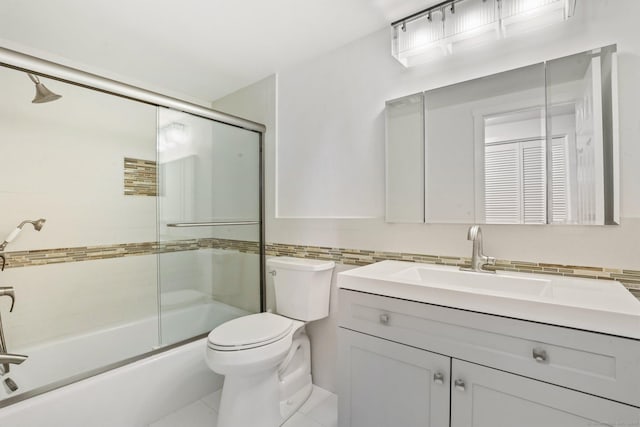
266	357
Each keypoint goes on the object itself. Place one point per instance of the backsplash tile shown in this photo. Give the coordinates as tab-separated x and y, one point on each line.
630	278
140	177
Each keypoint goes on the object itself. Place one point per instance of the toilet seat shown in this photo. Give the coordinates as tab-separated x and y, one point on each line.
255	330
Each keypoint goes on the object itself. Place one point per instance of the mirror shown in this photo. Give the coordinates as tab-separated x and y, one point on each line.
405	159
534	145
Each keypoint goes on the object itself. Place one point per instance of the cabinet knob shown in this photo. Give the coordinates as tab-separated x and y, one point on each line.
459	385
438	378
540	355
384	319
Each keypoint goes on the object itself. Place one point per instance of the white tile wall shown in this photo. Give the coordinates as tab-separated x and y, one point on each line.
58	300
64	161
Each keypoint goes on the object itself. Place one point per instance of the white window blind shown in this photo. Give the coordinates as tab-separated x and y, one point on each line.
534	182
516	182
559	182
503	189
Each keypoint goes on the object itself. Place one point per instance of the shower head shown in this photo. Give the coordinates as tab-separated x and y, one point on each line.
37	225
43	94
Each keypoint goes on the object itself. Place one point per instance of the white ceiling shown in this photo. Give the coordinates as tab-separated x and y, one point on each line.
202	49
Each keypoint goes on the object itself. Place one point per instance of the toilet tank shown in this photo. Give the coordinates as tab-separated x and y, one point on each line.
302	287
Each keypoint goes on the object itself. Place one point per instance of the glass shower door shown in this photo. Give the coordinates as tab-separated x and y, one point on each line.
209	216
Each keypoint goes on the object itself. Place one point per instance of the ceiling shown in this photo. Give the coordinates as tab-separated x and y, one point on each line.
200	49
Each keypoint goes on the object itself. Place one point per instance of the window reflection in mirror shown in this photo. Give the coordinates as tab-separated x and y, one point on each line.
516	177
455	128
534	145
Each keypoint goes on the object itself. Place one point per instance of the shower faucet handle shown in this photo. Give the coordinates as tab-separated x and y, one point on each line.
8	291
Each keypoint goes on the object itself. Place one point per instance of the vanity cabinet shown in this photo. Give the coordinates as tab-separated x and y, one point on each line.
486	397
389	384
406	363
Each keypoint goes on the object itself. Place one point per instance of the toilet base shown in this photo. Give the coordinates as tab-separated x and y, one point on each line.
252	400
289	406
269	397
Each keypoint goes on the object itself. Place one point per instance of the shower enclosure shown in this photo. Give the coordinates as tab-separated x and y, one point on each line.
154	223
209	196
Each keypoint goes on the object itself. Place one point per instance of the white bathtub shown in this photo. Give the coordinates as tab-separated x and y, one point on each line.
56	361
134	395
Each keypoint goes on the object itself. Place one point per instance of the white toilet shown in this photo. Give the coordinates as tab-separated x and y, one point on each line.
266	357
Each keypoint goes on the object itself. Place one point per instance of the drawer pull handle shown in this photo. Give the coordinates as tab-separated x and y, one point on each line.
384	319
540	355
438	378
459	385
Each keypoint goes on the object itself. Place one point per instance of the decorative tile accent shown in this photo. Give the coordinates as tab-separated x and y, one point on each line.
140	177
89	253
630	278
243	246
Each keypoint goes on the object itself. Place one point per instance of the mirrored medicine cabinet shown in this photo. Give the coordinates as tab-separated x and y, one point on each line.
534	145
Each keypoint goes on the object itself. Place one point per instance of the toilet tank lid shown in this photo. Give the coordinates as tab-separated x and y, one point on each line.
306	264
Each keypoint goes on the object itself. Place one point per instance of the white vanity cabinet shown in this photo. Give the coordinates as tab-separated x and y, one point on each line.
486	397
496	371
384	383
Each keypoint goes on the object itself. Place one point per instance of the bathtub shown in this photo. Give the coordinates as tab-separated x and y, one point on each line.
54	363
134	395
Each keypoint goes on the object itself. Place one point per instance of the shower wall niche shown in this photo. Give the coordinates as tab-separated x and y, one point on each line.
152	235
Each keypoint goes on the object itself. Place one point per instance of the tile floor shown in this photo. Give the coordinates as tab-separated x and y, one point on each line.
320	410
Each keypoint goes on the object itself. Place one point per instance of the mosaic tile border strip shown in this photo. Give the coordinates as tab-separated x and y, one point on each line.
140	177
89	253
244	246
359	257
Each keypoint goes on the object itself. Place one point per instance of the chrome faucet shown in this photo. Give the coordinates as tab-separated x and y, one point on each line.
478	259
15	359
5	357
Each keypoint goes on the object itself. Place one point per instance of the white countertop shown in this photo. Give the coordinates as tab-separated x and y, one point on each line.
604	306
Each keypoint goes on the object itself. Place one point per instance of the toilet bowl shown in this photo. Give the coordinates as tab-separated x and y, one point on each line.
266	357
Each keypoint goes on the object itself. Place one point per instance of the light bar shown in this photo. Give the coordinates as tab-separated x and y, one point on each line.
439	29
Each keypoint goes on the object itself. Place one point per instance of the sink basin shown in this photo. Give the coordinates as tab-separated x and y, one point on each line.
475	282
594	305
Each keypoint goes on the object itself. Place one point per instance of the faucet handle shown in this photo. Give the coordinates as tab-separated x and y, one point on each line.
491	260
9	292
472	232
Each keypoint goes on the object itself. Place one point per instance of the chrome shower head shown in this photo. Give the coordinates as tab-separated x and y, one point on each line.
43	94
37	224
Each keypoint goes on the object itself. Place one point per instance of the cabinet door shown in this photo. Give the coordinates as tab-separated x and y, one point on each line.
385	384
485	397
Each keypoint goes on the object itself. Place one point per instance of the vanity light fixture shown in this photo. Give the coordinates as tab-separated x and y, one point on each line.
439	29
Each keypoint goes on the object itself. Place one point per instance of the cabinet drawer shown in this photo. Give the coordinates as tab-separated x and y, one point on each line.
594	363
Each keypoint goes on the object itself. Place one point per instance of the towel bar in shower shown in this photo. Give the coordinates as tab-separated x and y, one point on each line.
211	224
